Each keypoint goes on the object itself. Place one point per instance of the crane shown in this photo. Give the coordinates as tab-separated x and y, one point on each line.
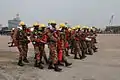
111	20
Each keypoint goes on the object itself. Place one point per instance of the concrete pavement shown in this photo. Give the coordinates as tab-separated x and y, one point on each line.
103	65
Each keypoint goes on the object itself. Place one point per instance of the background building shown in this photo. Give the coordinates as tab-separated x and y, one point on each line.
14	23
0	26
113	29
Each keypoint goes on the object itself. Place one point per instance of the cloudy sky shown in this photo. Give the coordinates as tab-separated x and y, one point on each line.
84	12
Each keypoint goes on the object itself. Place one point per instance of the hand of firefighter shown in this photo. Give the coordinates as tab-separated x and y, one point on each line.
37	40
16	42
28	41
42	41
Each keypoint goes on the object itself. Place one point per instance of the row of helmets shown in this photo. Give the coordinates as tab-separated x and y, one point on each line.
83	27
61	25
35	24
43	25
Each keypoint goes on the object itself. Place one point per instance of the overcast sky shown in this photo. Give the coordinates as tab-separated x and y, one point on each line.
84	12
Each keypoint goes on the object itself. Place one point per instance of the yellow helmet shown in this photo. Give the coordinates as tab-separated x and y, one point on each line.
21	23
36	24
78	26
87	27
69	29
53	22
62	25
49	22
73	28
83	27
92	28
42	25
58	28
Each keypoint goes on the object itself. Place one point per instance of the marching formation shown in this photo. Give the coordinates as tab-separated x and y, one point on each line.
61	39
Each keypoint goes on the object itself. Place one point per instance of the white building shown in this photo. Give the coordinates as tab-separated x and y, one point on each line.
14	23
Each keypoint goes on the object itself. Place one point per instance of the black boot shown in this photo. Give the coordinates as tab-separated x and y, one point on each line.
80	56
50	65
35	56
57	69
90	52
25	60
20	63
42	62
60	63
36	64
67	54
83	55
40	66
72	51
75	57
67	64
45	58
95	49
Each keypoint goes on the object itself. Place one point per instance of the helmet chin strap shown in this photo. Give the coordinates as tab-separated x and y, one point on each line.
36	28
23	27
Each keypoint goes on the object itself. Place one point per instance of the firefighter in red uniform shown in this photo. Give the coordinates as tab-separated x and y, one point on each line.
36	38
67	34
43	30
62	45
52	43
65	30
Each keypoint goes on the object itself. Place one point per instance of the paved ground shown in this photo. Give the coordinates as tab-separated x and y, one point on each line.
103	65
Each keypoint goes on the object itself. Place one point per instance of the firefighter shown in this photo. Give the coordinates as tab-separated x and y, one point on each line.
77	44
67	25
21	41
66	32
36	38
89	41
11	35
43	30
62	46
93	41
61	50
72	40
49	24
52	43
67	35
83	41
95	33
